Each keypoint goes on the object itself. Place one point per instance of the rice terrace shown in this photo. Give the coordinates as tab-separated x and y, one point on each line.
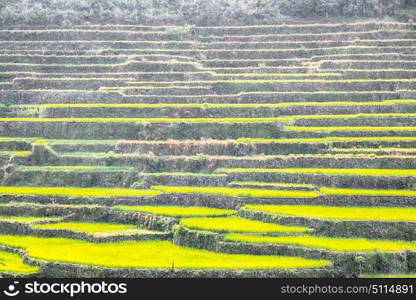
209	149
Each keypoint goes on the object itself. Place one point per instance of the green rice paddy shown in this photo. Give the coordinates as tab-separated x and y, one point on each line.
367	192
12	263
272	184
360	172
28	219
236	192
76	192
131	254
327	243
88	227
214	106
385	214
236	224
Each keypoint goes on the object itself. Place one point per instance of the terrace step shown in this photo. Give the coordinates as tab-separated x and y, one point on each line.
81	176
197	110
360	178
144	126
396	227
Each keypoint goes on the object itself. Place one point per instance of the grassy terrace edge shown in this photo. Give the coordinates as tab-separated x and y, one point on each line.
76	192
388	214
328	243
177	211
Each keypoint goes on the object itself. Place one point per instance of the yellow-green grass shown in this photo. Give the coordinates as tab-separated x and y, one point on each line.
361	172
76	191
367	192
150	120
236	224
236	192
177	211
28	219
349	128
280	184
16	153
12	263
15	204
75	168
147	254
329	139
213	105
328	243
388	214
17	139
184	174
89	227
374	150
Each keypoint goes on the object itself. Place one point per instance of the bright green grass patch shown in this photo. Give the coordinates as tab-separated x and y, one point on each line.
184	174
178	211
28	219
236	224
362	172
348	128
151	120
329	139
132	254
74	191
13	263
75	168
332	244
236	192
392	214
88	227
16	153
278	184
21	153
367	192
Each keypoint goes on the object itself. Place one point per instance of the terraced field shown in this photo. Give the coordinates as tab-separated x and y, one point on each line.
266	151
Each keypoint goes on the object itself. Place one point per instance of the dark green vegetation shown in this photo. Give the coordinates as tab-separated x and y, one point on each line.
229	151
200	12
